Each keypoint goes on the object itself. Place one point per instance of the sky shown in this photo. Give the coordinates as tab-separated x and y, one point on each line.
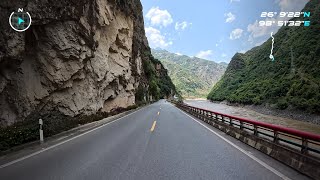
210	29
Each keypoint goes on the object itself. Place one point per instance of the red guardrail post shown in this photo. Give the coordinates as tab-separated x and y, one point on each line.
241	125
304	148
275	137
212	115
255	130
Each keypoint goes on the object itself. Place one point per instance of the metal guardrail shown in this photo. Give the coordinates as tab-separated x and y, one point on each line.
306	143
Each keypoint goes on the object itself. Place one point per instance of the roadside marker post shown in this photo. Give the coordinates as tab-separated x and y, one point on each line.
41	130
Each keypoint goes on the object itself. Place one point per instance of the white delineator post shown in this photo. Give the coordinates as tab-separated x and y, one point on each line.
41	130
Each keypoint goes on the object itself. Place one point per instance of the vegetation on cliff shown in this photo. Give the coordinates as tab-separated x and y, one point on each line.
160	84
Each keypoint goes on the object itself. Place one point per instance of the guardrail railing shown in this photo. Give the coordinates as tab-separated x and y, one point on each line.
305	142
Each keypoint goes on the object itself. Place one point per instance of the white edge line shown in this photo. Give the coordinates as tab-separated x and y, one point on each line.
241	150
53	146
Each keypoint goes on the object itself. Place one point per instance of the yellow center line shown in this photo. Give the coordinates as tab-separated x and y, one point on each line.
153	126
158	113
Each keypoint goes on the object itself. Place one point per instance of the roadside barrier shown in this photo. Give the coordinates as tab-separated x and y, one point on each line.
298	149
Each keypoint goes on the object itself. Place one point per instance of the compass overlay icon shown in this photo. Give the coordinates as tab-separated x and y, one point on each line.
20	21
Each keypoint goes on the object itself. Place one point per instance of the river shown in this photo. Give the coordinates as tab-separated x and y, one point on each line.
253	115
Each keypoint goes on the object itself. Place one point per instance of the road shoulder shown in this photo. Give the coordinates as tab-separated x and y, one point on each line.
30	149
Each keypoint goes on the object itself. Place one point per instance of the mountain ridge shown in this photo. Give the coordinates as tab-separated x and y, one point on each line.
289	82
192	76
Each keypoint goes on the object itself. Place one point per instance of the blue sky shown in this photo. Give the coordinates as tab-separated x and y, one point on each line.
209	29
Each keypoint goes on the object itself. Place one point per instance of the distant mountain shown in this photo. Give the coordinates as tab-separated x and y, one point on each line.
193	77
291	81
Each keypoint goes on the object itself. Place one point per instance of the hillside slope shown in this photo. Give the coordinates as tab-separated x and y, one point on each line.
291	81
193	77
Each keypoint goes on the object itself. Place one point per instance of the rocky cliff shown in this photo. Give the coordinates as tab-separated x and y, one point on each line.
78	57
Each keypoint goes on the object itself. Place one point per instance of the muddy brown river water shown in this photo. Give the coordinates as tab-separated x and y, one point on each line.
253	115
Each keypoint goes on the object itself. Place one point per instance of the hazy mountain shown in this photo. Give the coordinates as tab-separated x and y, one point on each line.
193	77
291	81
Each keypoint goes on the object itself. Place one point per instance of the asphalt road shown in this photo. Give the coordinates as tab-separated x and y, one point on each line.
136	147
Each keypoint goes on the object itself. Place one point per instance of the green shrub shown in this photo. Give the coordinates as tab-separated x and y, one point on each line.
139	96
282	104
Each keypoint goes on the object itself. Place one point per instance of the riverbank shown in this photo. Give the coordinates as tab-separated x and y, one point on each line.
303	121
292	114
287	113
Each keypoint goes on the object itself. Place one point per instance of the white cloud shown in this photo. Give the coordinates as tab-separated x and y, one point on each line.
231	1
257	31
156	39
179	54
236	34
242	51
159	17
182	26
230	17
291	5
263	32
223	55
205	54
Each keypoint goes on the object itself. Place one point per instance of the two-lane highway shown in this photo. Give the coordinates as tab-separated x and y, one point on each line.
156	142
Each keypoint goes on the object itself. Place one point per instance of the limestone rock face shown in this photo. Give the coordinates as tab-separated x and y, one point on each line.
78	57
